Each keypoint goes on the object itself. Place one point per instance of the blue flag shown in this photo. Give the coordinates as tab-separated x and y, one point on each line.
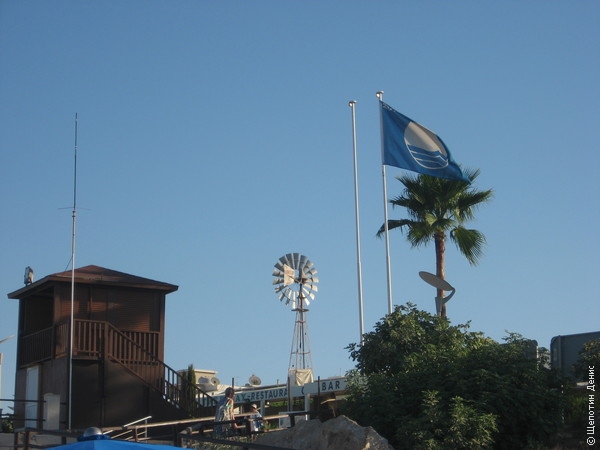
411	146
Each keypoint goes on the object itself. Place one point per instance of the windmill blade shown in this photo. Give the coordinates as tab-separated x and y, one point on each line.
302	276
291	297
279	264
307	293
278	273
309	264
287	259
296	259
303	261
311	288
285	294
315	280
278	281
290	259
312	272
280	288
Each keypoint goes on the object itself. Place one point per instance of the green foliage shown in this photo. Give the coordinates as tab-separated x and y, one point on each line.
423	383
188	391
6	425
589	356
457	425
190	374
436	206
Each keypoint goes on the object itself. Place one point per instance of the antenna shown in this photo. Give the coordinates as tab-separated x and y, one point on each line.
72	277
254	380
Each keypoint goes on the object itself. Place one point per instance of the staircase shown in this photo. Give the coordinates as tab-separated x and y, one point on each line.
124	349
157	375
136	352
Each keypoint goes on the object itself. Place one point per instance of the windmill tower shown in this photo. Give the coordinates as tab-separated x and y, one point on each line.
295	281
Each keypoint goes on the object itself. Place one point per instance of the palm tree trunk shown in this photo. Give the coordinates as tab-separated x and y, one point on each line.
440	249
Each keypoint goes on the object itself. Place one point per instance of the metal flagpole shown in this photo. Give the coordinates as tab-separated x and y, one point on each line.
72	282
385	212
352	103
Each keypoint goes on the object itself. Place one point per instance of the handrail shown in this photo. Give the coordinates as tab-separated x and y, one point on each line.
143	419
155	373
100	339
127	432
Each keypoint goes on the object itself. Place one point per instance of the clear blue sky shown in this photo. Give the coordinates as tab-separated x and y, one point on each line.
215	137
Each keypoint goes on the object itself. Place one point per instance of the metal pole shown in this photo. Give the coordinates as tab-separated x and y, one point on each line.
1	341
385	211
71	322
352	104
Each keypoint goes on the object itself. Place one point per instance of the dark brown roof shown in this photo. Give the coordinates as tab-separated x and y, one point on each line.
96	275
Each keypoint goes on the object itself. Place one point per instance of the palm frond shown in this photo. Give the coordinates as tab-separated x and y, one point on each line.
393	224
469	242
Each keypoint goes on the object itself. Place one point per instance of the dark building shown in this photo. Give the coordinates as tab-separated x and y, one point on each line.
565	351
114	372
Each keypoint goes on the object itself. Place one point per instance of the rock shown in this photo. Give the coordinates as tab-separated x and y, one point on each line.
340	433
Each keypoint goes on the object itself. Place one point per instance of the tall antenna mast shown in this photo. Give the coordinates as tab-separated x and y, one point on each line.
71	323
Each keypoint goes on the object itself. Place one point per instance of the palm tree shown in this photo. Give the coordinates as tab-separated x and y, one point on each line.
438	208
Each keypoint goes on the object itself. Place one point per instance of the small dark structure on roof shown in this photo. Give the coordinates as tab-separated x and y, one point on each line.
116	359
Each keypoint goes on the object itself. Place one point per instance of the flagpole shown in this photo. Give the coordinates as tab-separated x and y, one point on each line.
352	103
385	212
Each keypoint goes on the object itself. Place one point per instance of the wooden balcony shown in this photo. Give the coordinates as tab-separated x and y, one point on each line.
137	352
91	340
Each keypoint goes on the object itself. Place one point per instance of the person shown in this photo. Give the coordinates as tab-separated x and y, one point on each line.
224	414
256	423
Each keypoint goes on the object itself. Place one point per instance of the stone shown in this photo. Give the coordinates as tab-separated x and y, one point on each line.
340	433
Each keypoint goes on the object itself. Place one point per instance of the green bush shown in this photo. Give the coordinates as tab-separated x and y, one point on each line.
424	383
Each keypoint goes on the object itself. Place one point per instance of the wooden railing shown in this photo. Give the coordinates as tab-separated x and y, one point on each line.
134	350
88	339
88	342
168	382
36	347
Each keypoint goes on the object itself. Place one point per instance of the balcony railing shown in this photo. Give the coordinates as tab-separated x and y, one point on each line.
89	341
136	351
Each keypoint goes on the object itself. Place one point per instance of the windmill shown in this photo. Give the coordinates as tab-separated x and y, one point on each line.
295	281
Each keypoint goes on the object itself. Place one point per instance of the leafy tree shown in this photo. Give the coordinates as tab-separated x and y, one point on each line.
424	383
439	208
589	356
457	425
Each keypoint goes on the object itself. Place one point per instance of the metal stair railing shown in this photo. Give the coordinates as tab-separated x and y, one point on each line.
132	434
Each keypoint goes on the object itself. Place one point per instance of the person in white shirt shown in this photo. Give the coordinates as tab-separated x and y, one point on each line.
256	423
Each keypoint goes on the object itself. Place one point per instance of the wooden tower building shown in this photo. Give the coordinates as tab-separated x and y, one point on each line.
113	373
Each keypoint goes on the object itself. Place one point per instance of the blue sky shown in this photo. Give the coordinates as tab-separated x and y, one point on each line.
215	137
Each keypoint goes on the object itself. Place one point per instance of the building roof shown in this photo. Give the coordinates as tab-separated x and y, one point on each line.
95	275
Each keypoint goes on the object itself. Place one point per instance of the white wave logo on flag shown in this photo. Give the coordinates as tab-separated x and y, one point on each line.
425	147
